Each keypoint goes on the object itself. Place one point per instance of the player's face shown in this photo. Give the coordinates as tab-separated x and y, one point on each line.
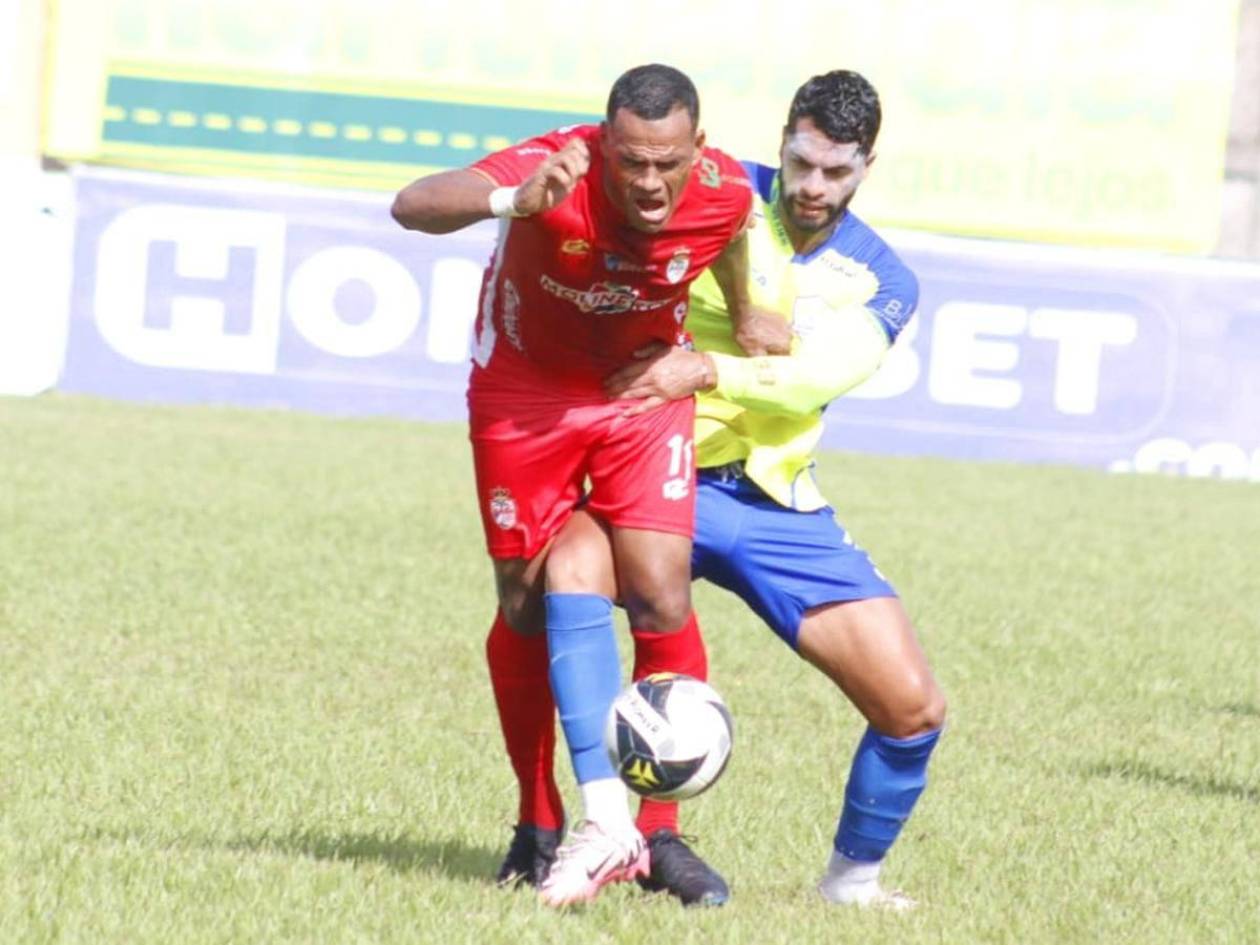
646	164
820	176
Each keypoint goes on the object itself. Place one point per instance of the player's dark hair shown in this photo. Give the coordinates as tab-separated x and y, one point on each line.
843	105
652	92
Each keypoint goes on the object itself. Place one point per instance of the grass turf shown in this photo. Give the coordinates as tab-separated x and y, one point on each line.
242	699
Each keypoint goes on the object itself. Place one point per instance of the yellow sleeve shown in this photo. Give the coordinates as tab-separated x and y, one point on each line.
833	358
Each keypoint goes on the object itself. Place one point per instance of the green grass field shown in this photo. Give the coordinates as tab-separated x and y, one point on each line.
242	699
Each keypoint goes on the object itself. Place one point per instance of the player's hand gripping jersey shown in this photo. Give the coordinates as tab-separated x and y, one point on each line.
848	300
576	291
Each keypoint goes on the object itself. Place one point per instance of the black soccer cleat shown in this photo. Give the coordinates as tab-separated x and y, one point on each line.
529	857
675	868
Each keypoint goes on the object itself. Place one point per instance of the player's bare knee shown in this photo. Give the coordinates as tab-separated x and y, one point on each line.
526	617
660	611
564	570
571	572
521	606
920	708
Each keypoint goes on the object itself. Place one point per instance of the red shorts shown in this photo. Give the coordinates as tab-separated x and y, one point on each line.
536	443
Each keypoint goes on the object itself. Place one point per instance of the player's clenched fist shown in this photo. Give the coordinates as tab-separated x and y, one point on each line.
553	179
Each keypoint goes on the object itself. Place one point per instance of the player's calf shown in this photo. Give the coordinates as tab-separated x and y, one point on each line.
885	781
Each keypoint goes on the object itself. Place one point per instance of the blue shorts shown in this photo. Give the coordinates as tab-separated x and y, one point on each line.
779	561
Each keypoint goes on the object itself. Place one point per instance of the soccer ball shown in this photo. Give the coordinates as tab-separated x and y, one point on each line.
669	736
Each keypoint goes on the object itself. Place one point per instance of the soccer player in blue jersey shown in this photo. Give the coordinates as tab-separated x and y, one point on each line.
763	529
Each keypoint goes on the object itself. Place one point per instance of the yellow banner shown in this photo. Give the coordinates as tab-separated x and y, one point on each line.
1087	121
21	27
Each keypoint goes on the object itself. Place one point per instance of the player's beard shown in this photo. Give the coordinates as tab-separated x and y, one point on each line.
817	225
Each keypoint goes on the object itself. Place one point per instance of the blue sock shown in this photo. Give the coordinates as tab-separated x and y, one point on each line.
585	676
887	777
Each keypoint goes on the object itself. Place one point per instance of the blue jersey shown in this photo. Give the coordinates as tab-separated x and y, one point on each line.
853	265
847	300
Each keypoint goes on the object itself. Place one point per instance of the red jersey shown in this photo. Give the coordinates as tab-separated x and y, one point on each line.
575	290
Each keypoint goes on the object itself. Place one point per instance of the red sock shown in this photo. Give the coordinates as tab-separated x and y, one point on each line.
681	651
518	672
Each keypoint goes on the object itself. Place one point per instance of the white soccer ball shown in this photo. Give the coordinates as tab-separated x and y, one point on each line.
669	736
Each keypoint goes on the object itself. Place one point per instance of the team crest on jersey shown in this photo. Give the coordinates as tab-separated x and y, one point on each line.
678	266
765	372
710	174
502	507
575	247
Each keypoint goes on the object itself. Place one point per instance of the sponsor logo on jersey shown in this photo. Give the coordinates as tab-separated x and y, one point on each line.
680	312
502	507
603	298
512	314
575	247
615	263
678	266
849	268
525	152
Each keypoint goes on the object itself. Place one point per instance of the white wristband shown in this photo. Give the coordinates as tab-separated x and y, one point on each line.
503	202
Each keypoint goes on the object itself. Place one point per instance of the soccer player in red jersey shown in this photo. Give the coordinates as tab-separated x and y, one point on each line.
603	229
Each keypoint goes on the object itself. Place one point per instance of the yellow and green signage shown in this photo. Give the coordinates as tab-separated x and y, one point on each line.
1085	121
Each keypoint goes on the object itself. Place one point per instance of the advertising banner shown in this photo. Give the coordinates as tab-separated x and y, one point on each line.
21	42
1084	121
33	249
196	292
1046	354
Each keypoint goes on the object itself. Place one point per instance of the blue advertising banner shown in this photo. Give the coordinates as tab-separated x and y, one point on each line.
1033	353
195	292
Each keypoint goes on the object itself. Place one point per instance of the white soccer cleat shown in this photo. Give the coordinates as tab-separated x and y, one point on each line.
590	859
869	895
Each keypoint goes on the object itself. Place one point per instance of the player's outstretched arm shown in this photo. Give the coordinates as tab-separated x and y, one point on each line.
445	202
829	362
452	200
